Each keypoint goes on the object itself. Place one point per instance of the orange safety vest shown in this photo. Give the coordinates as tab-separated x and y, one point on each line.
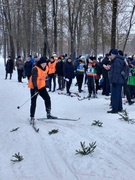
41	78
52	67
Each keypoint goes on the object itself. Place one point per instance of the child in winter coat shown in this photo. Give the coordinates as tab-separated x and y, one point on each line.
80	69
91	74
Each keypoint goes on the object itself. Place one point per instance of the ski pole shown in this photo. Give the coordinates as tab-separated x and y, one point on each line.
27	100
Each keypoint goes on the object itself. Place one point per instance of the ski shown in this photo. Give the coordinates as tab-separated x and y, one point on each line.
76	94
35	128
81	99
58	118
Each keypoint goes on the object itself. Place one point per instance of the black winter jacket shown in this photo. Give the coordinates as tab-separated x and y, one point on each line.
68	70
9	66
28	68
59	68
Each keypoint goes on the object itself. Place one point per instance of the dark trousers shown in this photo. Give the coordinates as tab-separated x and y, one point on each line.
7	75
126	89
91	85
132	91
52	77
20	74
47	101
79	78
68	85
61	82
116	97
106	87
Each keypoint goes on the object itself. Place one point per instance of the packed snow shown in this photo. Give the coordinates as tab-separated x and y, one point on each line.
53	157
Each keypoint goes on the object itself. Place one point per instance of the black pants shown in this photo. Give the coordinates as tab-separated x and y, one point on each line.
20	74
44	94
91	85
106	87
61	82
7	75
68	85
79	78
52	77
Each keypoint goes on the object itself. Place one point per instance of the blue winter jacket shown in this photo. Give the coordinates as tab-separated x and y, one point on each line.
117	66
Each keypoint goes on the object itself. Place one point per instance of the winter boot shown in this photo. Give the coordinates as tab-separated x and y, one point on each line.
49	116
6	76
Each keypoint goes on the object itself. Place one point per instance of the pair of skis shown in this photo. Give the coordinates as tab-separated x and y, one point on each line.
43	119
73	94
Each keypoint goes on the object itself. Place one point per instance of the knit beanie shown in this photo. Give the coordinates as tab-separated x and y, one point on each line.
114	52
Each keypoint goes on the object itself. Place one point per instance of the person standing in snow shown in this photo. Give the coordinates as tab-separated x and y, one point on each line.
80	69
59	72
28	68
37	85
20	68
91	73
116	80
106	84
52	73
68	70
9	67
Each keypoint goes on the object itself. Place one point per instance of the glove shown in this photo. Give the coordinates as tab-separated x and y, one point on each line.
66	79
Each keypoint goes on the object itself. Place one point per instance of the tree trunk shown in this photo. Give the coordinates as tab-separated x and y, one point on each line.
55	7
95	25
130	26
114	20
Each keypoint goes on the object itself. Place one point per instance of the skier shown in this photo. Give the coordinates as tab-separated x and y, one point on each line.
37	85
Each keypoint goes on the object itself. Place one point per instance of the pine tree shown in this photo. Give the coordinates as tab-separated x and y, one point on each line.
86	150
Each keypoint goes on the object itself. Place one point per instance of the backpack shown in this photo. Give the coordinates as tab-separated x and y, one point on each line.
125	71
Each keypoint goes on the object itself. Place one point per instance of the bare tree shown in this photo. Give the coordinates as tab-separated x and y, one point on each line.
130	26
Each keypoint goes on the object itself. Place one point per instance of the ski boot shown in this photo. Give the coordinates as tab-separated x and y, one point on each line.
49	116
32	121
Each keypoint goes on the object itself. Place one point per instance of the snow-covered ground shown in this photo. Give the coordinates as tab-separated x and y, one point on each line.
53	157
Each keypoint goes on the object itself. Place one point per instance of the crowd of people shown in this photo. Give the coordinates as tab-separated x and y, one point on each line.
114	74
